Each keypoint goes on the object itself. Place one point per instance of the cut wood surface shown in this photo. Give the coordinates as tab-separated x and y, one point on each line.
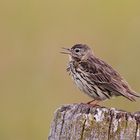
86	122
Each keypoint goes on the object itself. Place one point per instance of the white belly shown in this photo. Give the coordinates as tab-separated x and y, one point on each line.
85	87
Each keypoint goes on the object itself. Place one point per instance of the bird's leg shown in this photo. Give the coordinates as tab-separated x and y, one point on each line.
93	102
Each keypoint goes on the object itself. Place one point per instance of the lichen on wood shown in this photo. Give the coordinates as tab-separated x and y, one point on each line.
87	122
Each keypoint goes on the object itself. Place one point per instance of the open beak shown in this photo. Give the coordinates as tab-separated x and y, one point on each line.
66	51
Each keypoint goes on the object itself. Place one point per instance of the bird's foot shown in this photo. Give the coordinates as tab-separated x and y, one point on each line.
93	103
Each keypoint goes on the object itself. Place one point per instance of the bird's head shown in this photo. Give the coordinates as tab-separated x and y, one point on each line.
78	52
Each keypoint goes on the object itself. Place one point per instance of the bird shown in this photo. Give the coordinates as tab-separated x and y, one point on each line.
95	77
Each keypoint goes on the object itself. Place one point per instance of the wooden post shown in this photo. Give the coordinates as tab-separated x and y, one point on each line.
85	122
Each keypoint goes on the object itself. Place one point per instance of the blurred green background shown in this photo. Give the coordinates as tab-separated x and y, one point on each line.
33	80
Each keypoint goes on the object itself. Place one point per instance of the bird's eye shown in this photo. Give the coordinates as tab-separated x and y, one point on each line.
77	50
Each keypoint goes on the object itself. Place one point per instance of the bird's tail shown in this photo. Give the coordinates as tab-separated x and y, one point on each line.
133	96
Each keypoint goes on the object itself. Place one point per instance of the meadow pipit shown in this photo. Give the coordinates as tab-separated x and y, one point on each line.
95	77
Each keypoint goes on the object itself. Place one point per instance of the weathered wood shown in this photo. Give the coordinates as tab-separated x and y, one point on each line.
85	122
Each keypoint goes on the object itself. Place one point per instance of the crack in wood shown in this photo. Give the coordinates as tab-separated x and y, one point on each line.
136	131
110	123
137	118
83	129
84	123
63	120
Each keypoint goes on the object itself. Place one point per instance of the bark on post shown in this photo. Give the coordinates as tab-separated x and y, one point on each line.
84	122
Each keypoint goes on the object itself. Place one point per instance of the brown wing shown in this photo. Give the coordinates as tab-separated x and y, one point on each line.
106	77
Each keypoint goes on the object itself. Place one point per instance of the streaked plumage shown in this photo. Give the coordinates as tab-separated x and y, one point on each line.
95	77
